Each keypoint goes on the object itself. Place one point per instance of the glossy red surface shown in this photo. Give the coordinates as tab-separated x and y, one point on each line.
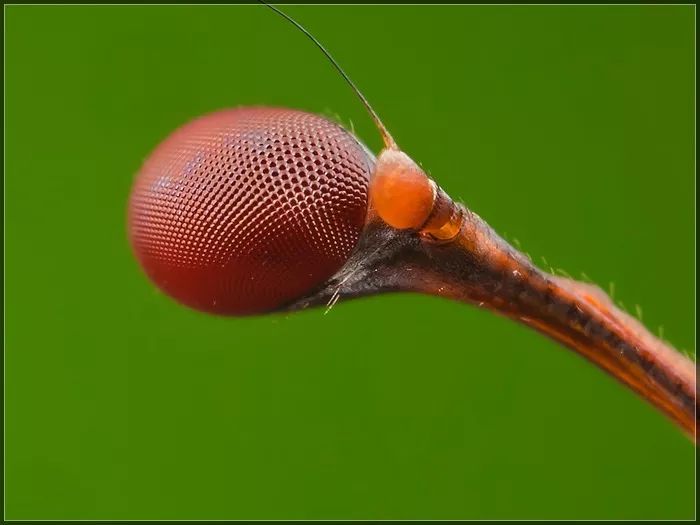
243	210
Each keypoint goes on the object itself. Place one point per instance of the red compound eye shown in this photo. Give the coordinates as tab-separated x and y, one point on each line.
243	210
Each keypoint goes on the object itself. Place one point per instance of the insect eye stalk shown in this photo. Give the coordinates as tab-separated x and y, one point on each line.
445	221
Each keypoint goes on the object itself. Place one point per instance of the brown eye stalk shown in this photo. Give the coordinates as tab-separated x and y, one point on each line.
255	210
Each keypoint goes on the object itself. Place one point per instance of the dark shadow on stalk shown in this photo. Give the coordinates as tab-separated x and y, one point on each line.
479	267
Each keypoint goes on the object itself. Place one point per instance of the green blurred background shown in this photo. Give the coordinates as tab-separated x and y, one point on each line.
569	129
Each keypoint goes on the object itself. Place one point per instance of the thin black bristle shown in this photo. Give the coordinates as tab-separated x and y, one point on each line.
386	136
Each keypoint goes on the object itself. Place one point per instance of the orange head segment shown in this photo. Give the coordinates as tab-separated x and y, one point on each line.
407	199
401	192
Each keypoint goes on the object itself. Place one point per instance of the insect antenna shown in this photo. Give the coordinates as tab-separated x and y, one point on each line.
386	136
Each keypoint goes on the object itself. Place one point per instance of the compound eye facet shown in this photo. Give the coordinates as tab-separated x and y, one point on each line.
243	210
